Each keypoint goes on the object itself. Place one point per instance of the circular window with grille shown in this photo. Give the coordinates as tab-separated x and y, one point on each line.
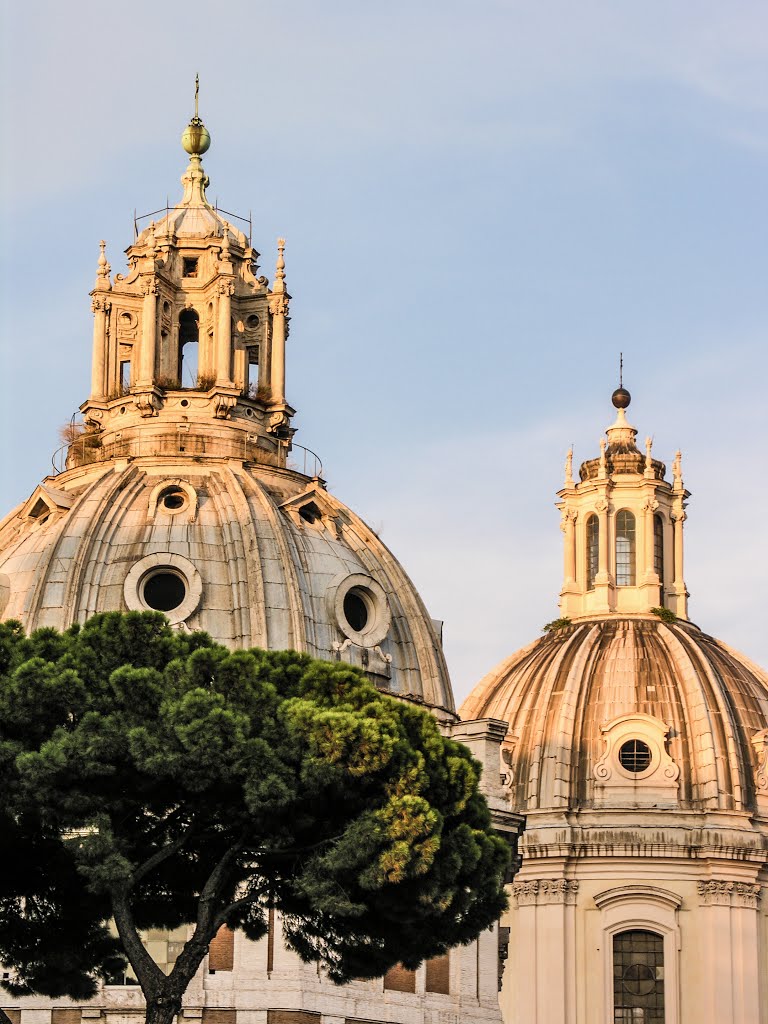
635	756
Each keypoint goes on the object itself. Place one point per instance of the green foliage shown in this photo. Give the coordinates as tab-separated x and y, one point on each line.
555	624
144	767
665	614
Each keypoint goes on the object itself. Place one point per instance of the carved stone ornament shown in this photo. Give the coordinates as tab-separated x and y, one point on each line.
150	286
760	743
148	403
650	504
601	505
223	406
100	304
619	784
226	287
718	893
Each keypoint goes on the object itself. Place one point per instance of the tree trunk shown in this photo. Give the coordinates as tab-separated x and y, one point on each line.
163	1009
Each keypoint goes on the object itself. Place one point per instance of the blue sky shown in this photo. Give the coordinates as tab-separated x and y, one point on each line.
483	205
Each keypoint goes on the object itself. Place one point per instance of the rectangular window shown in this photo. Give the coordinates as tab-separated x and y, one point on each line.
438	974
221	952
638	978
190	266
399	979
125	375
252	371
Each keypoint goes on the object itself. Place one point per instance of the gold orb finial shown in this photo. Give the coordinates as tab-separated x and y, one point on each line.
195	138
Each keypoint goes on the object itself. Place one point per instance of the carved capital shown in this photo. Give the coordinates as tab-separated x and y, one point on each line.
525	893
650	504
729	894
601	506
149	285
679	515
543	891
226	287
278	305
100	305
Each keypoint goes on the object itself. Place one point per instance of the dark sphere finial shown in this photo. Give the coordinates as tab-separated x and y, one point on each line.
621	398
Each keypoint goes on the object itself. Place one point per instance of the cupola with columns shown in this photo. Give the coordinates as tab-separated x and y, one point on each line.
191	338
623	527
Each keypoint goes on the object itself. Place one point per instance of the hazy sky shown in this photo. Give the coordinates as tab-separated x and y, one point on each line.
484	203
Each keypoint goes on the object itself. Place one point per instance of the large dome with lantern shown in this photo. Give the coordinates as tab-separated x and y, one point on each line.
182	489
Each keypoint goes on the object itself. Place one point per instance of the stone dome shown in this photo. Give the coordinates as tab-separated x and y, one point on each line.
578	697
255	555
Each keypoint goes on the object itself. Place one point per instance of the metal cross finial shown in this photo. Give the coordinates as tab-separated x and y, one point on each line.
197	91
621	369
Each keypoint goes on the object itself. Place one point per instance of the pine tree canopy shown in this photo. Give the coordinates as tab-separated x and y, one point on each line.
154	778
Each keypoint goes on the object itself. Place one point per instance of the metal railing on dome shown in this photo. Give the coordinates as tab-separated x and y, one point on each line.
89	447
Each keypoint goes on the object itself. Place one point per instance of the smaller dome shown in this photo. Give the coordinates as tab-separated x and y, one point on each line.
561	693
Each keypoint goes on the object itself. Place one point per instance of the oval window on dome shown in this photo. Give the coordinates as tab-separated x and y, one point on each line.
174	499
359	606
356	609
635	756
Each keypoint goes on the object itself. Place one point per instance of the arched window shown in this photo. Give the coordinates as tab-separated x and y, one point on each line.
658	549
188	344
593	550
638	976
625	549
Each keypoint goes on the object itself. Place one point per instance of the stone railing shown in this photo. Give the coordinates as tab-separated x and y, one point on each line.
89	447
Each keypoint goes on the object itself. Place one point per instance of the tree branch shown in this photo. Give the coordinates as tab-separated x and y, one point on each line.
161	856
148	973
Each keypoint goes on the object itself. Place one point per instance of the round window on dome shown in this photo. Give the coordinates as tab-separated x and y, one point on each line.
164	590
635	756
174	499
359	607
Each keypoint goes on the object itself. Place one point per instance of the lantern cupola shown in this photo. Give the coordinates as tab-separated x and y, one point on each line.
623	527
191	339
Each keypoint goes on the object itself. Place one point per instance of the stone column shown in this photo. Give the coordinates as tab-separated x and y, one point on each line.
568	526
278	308
732	970
223	337
100	307
681	605
146	369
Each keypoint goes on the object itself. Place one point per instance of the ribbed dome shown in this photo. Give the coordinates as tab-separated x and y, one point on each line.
559	694
256	555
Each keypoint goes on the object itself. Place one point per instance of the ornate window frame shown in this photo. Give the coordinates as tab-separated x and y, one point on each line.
652	909
657	785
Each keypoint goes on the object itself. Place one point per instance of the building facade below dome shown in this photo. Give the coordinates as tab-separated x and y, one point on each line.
638	750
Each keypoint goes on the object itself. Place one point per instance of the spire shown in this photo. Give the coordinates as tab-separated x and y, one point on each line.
280	267
103	283
196	140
